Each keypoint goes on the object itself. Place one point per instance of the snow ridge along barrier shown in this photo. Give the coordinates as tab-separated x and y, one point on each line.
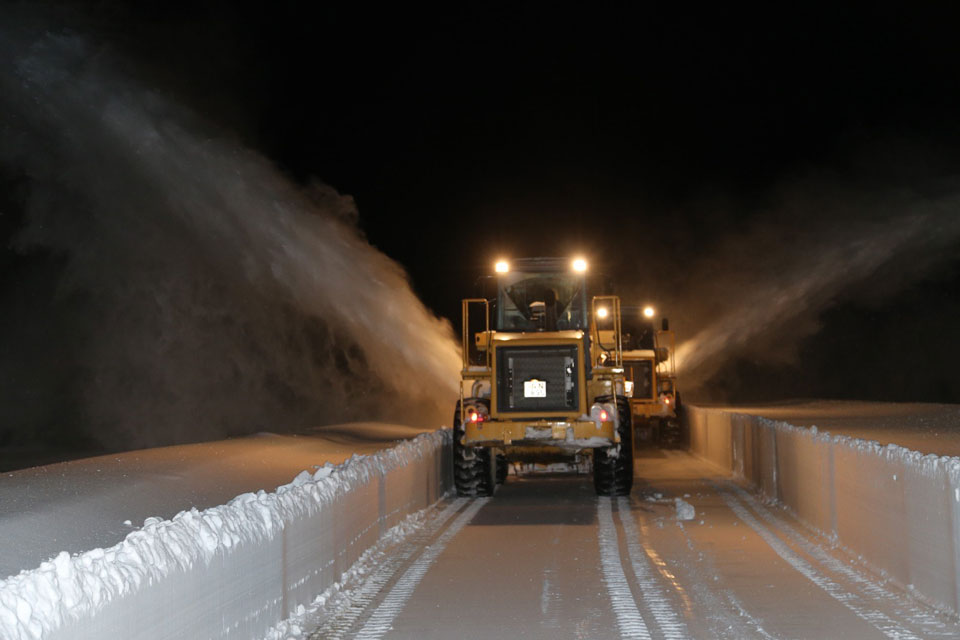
234	570
896	509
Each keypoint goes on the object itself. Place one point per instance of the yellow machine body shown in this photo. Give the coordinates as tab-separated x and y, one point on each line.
652	386
543	382
537	435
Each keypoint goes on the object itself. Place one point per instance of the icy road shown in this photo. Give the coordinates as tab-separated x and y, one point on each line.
688	555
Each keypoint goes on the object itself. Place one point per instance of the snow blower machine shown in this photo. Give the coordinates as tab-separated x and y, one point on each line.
651	380
542	380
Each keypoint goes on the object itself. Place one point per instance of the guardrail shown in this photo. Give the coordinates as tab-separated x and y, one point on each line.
896	510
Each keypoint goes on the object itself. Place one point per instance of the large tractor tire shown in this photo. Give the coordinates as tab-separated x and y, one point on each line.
613	466
474	468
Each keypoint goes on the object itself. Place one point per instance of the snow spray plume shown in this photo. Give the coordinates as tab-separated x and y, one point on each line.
763	290
210	296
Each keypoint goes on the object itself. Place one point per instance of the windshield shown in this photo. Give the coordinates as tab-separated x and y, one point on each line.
541	302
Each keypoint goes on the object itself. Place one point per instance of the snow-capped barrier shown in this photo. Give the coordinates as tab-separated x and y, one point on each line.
235	570
896	509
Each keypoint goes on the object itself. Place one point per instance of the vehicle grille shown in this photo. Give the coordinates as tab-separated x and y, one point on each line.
642	375
556	365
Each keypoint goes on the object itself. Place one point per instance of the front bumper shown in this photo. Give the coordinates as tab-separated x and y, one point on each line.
575	434
642	410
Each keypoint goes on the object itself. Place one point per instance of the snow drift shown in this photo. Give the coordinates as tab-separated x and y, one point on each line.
233	570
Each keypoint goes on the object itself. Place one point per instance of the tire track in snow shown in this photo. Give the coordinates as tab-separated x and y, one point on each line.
621	597
341	622
672	627
382	619
918	614
878	619
721	602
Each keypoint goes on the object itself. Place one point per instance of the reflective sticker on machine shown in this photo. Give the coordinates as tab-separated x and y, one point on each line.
535	388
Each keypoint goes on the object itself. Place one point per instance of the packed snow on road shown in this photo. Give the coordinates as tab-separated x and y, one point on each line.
692	552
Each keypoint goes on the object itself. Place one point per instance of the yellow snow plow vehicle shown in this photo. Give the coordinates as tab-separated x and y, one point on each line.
650	370
542	379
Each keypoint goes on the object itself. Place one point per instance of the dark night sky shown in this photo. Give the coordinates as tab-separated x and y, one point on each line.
474	120
650	130
643	135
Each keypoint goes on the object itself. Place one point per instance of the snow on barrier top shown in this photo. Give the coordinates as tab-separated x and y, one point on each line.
926	463
36	602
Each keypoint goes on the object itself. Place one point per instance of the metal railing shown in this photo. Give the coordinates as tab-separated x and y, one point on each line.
614	350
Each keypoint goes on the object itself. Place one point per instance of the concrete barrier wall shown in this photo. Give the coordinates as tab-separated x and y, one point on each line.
895	509
245	587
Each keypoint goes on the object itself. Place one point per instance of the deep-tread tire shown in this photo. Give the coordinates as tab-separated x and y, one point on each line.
474	469
613	467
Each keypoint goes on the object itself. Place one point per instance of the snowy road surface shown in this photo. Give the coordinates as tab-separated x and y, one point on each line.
546	558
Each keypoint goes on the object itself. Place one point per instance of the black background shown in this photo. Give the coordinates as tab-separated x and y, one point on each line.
635	134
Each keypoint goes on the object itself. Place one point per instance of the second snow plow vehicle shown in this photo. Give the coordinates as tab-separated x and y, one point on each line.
542	379
650	370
